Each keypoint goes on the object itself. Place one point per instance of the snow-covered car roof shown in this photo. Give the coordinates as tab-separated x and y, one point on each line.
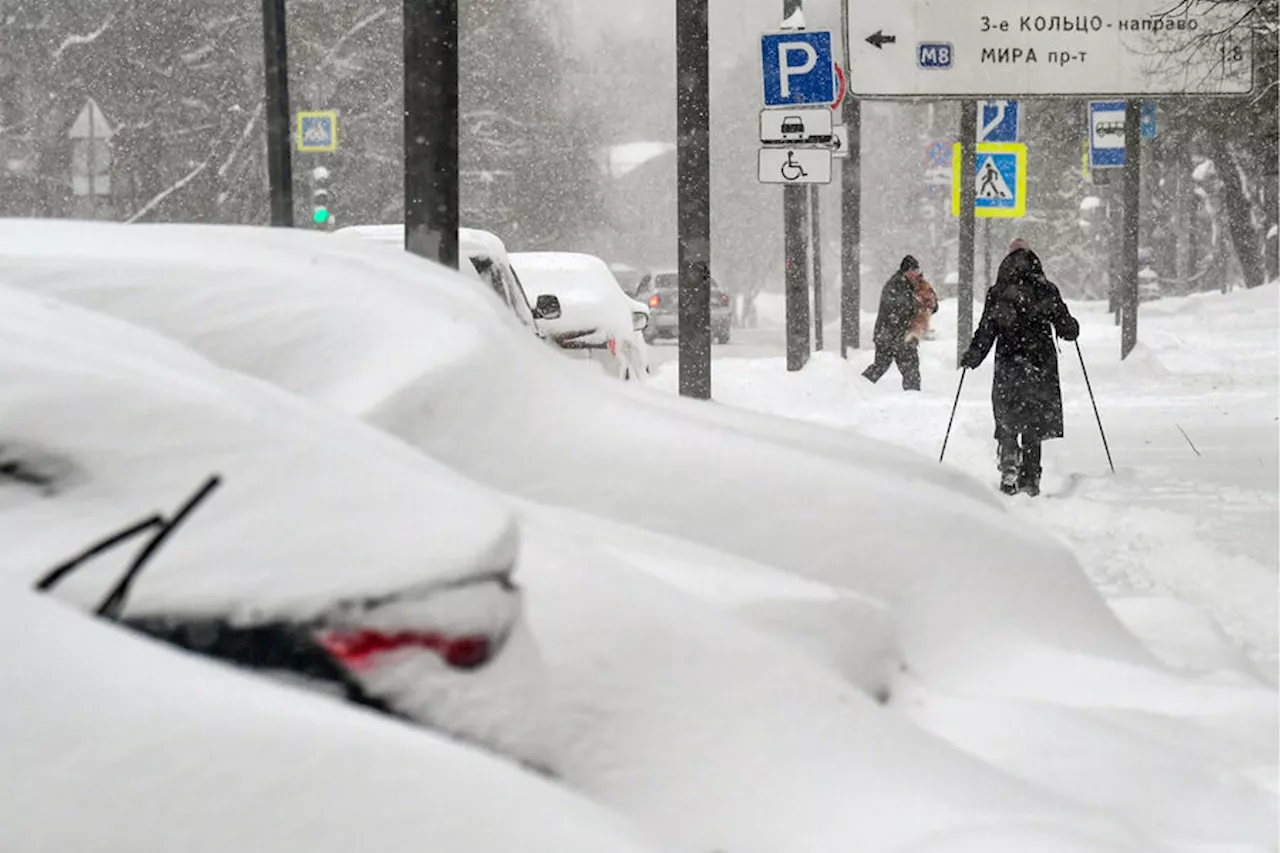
312	508
116	743
471	241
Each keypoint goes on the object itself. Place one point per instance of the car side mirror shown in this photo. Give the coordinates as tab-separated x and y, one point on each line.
639	321
547	307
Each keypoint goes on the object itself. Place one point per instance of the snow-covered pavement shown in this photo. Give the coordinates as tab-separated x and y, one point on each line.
1183	538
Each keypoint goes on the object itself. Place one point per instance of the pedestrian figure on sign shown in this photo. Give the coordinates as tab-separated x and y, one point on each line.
898	308
990	182
1022	313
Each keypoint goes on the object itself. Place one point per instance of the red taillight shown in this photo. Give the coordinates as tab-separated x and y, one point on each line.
613	346
654	301
357	649
724	299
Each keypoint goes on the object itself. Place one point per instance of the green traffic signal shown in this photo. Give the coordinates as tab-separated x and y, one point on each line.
321	216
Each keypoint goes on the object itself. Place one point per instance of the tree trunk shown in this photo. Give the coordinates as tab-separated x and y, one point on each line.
1238	211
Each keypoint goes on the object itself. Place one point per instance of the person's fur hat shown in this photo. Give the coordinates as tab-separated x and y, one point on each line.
1018	243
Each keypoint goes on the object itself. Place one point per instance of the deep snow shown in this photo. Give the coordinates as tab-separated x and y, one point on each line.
113	742
988	613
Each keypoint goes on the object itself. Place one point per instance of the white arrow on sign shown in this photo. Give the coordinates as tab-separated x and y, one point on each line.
840	141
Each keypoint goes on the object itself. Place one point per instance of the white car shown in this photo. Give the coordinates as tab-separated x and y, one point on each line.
595	312
310	547
488	260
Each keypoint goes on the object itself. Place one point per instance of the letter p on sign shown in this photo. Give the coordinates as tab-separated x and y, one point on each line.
797	67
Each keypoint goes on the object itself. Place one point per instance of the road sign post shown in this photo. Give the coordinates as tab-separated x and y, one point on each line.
1125	48
1132	190
968	194
815	250
279	157
431	129
693	197
850	209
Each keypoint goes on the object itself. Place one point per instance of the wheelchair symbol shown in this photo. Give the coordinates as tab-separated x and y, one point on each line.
791	170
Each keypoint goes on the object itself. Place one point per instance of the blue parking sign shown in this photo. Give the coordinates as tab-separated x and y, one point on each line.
797	68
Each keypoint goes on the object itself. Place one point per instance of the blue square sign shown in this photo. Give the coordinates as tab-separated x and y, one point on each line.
798	68
1106	134
999	121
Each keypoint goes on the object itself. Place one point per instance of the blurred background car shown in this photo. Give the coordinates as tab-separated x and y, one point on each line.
661	292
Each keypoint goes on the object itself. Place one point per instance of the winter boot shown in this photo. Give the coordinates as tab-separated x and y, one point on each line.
1009	458
1029	484
1029	469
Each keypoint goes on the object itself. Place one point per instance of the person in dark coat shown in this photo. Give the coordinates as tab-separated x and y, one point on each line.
898	307
1023	310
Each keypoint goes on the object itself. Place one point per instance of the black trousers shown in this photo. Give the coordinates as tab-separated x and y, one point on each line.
907	355
1020	455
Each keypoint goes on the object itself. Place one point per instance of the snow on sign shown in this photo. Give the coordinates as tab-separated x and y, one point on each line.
797	67
1012	48
795	165
317	131
1000	182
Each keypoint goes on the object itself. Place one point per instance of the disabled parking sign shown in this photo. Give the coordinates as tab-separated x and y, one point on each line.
1000	181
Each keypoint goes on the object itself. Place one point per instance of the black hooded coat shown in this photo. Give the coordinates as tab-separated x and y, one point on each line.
1023	310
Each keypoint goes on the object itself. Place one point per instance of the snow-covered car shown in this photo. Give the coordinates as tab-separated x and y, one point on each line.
487	257
214	512
596	315
661	292
116	743
988	619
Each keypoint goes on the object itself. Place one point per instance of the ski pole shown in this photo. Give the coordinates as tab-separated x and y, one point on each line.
952	420
1092	400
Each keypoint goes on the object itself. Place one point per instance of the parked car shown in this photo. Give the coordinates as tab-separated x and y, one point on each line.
263	503
488	261
661	292
596	315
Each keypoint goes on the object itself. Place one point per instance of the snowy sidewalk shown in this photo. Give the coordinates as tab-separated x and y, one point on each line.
1178	533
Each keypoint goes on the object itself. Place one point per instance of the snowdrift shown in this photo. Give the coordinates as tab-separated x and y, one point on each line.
122	424
380	335
114	742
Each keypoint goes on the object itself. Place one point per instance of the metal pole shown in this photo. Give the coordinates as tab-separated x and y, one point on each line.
968	193
850	212
815	220
796	254
1132	191
986	251
431	129
693	196
275	56
93	189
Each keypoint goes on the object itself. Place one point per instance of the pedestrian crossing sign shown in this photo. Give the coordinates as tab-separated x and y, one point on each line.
1000	181
317	131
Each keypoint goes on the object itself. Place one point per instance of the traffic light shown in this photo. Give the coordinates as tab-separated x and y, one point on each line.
321	216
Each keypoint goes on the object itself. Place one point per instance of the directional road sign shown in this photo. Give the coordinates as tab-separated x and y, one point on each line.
1106	134
1012	48
999	121
1000	182
317	131
797	68
795	165
796	125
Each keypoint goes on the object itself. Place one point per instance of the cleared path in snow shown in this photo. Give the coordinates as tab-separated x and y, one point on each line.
1197	525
